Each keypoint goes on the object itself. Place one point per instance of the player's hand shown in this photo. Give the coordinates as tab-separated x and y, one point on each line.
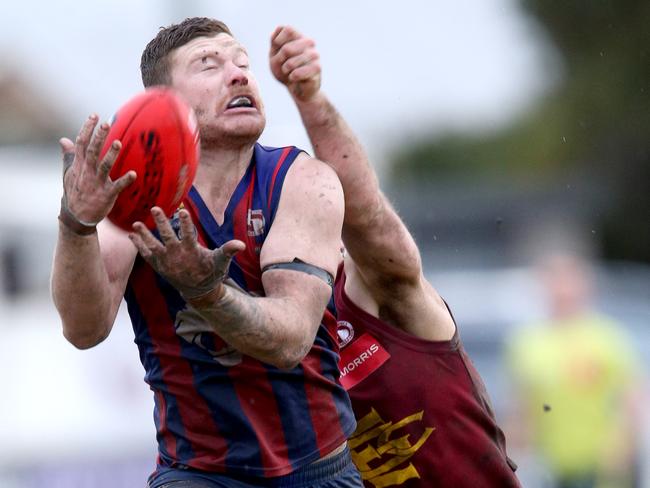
88	191
191	268
295	62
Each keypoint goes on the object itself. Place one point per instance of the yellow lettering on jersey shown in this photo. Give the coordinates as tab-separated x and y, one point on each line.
395	477
391	452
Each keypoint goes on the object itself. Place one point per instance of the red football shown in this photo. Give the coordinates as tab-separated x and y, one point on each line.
160	142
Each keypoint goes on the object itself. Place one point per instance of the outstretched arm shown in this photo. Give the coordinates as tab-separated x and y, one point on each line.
386	262
374	235
90	267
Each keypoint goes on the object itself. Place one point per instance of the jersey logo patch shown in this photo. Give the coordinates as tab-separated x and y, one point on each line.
379	449
360	359
344	332
255	223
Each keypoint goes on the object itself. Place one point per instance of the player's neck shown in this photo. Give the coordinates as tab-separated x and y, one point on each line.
218	174
225	160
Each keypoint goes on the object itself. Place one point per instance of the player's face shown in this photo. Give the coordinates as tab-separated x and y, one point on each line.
213	75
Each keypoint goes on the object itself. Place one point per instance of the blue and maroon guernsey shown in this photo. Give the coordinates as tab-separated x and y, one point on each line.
216	409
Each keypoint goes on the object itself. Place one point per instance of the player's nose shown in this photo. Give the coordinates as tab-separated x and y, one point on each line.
236	75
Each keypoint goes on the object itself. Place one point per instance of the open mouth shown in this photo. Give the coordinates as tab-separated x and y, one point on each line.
241	101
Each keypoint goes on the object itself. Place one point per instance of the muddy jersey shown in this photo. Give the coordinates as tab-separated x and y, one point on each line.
216	409
423	415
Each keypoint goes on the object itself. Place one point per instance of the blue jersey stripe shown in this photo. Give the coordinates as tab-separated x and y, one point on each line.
295	415
276	185
216	409
214	385
154	378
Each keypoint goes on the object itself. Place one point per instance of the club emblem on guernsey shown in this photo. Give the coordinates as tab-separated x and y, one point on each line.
194	329
383	450
255	222
345	332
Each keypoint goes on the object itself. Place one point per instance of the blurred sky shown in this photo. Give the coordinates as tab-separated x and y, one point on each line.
392	68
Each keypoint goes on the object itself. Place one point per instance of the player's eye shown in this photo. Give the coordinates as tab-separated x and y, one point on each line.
208	63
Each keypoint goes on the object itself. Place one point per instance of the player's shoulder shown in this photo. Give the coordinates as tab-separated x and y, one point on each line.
274	150
314	167
307	163
312	198
269	159
267	149
309	172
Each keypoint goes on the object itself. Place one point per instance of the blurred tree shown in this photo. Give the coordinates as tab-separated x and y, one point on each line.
596	124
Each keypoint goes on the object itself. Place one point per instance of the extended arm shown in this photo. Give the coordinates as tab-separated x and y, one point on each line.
280	327
374	234
88	279
385	273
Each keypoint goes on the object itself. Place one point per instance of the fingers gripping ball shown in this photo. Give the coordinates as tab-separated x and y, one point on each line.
160	142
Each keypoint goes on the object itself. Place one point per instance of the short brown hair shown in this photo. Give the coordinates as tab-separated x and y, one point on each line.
154	64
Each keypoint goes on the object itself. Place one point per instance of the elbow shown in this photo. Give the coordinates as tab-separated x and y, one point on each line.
293	361
290	356
288	360
84	340
286	365
81	328
299	341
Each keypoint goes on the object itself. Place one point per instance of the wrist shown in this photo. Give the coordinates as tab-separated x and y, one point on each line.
317	110
314	100
73	224
209	299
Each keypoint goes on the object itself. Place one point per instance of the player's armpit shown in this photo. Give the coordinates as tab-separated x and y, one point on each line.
418	310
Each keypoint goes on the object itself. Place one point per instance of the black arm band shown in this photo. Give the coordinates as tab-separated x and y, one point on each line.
299	265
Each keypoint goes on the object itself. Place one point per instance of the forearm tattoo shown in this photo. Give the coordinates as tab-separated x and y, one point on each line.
245	324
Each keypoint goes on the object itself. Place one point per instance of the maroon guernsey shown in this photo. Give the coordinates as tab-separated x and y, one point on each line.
424	417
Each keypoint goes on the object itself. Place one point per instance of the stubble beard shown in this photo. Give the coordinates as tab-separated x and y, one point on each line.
216	137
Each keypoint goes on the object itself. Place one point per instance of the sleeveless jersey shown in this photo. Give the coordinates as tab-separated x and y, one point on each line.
423	415
218	410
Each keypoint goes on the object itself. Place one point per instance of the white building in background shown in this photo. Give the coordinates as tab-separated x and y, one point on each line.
68	418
